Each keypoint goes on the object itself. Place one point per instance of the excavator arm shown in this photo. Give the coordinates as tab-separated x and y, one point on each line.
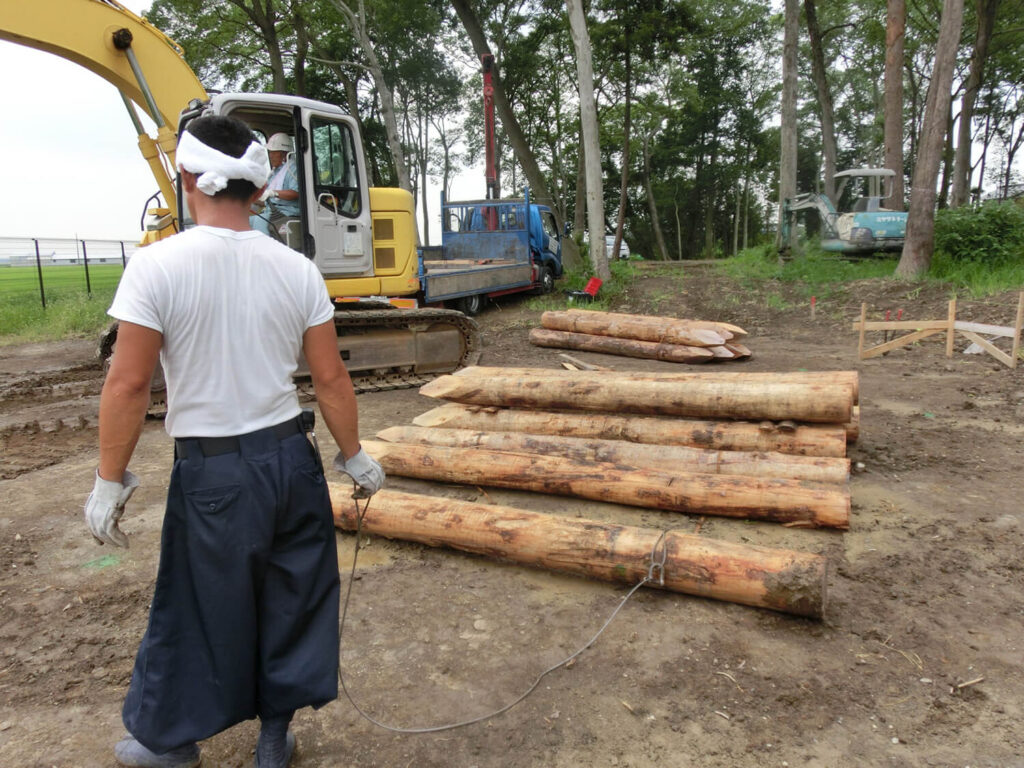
108	39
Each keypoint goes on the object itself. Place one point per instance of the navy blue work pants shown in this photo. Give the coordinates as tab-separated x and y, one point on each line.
244	619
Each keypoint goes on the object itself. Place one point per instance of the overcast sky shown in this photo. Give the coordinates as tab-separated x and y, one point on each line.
71	164
71	160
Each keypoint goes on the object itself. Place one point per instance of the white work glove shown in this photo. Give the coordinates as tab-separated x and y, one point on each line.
267	194
105	505
364	470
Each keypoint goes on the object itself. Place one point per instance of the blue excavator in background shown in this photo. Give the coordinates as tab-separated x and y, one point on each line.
866	226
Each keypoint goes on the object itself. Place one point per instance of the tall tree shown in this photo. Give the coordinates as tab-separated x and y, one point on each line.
920	239
787	164
825	108
591	138
895	29
986	16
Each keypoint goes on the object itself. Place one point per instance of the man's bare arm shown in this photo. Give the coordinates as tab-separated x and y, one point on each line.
334	391
125	396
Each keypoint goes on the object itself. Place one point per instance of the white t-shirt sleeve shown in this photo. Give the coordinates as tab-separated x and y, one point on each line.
318	300
137	298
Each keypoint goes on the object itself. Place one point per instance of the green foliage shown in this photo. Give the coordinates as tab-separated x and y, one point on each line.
623	273
70	311
991	234
977	277
815	271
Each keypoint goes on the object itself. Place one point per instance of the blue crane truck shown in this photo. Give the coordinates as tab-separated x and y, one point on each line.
491	248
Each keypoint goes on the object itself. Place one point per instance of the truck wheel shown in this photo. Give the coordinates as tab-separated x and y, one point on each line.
471	305
547	280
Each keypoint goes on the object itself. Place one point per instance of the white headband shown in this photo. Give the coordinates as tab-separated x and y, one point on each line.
215	168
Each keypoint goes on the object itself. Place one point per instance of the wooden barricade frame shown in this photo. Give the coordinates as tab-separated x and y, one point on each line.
920	329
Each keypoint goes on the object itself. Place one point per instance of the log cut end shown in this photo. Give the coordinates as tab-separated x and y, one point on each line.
800	589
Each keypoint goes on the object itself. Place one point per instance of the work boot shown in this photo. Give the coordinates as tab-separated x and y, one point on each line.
276	743
131	753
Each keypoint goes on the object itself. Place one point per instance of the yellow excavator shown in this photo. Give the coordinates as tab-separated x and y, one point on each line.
361	238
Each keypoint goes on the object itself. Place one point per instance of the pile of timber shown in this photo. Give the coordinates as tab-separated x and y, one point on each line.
644	336
573	433
759	446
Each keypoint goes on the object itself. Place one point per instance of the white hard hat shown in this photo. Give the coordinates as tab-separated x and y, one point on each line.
280	142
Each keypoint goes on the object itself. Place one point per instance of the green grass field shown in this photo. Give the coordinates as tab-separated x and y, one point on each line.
70	310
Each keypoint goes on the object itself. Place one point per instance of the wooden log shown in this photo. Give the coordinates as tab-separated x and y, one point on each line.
612	345
781	501
666	458
850	378
782	580
804	440
660	330
853	425
727	330
799	401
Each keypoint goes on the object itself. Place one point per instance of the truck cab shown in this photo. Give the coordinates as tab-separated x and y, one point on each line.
492	248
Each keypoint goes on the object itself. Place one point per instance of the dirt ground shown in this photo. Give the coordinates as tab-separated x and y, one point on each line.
917	663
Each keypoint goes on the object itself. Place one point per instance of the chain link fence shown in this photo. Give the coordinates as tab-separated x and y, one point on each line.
60	265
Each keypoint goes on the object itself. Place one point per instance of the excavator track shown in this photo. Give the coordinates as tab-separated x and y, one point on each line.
394	348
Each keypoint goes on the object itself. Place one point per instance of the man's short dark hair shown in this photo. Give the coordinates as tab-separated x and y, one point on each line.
232	137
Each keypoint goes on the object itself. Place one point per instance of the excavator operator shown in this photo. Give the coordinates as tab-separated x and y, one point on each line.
244	617
281	198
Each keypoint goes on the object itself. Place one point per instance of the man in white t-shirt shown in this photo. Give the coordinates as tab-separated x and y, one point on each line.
244	618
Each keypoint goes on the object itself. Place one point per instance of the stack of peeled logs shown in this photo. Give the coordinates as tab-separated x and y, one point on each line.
757	446
645	336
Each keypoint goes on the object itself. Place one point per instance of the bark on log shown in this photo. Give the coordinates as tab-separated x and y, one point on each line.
782	580
777	401
663	458
728	330
850	378
661	330
780	501
612	345
804	440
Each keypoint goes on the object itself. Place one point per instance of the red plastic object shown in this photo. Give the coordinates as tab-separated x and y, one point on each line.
592	287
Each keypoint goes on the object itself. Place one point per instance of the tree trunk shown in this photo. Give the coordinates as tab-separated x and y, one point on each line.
751	498
652	204
791	582
986	13
788	132
580	211
591	139
814	402
947	160
665	458
895	30
920	239
357	24
624	185
801	440
825	109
